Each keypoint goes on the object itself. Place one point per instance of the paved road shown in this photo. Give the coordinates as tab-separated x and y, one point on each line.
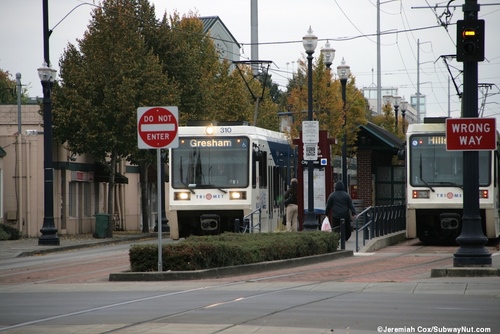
68	292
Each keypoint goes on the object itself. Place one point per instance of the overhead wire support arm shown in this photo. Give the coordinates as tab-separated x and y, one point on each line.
261	64
445	60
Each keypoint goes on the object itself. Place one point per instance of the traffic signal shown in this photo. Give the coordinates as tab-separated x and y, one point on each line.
470	40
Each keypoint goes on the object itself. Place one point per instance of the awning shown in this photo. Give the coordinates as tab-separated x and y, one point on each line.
101	174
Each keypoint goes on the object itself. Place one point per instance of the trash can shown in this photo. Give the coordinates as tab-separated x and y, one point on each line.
101	225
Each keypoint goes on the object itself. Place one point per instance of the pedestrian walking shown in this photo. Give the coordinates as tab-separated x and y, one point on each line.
291	204
340	203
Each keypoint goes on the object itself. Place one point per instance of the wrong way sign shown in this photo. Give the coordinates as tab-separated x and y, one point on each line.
470	134
157	127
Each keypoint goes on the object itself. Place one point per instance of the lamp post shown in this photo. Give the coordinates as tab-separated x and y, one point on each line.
397	101
329	53
387	99
310	41
49	231
47	75
343	72
404	107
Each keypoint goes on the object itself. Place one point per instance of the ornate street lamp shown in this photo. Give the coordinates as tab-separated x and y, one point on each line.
397	101
404	107
387	99
343	72
329	53
49	235
310	41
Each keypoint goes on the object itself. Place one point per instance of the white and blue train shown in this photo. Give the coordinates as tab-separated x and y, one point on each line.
227	177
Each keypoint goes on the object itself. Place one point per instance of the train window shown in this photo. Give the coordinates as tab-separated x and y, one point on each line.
263	171
432	165
205	162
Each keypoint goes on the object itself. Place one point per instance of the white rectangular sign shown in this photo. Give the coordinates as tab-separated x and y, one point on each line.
310	132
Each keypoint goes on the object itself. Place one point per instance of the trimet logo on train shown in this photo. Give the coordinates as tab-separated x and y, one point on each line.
209	196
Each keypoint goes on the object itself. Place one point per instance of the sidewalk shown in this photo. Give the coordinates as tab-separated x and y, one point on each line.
10	249
29	246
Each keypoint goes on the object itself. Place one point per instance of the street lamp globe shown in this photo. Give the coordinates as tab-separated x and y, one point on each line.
397	101
387	99
329	53
404	106
46	73
310	41
343	70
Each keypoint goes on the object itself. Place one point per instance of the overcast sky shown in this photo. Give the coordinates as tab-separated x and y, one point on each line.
350	25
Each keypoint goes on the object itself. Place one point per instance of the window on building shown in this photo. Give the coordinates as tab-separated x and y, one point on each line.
87	199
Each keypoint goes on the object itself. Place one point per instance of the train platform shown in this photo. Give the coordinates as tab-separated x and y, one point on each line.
10	249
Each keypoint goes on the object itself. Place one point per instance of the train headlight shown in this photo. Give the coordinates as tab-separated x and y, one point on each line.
483	193
237	195
209	130
420	194
182	196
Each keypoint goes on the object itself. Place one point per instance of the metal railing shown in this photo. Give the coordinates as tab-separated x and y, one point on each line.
248	223
379	221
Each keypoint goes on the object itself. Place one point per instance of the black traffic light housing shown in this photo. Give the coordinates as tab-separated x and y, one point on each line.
470	40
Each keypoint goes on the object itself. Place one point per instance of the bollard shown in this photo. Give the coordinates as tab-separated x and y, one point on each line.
342	234
236	225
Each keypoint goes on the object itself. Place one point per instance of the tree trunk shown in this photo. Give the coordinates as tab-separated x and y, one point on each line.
143	174
111	195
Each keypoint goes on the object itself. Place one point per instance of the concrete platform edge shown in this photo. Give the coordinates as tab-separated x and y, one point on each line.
226	271
382	242
465	272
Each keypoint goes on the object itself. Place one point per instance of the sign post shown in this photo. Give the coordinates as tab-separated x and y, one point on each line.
157	127
470	51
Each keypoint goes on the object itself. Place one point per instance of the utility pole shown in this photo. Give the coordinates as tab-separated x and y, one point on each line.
470	50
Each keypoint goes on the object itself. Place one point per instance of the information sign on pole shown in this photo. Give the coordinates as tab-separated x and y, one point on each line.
310	132
310	152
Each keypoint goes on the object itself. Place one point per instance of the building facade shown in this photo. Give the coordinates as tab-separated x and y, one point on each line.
80	183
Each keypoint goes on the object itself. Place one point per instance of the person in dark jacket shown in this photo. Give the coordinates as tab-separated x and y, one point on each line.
292	208
340	203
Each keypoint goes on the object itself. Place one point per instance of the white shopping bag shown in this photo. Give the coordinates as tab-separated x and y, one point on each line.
325	226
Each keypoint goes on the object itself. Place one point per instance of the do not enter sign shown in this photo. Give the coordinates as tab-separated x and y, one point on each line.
157	127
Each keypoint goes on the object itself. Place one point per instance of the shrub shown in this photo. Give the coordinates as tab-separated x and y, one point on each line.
229	249
9	233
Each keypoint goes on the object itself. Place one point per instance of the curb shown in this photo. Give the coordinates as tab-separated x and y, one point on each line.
226	271
465	272
378	243
56	249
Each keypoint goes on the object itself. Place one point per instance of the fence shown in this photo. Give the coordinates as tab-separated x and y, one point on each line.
379	221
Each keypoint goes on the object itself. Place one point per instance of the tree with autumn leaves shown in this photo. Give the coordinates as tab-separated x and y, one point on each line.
127	59
327	103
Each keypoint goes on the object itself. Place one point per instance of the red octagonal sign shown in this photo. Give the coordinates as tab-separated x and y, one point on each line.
157	127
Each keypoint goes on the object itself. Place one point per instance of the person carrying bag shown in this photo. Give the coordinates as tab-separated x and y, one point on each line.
341	205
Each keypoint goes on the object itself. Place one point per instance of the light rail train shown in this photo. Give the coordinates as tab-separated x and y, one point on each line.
226	173
435	186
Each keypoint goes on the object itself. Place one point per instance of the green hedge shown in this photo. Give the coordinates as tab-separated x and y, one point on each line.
9	233
230	249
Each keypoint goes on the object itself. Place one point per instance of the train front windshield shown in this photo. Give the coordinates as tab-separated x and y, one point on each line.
210	162
432	165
